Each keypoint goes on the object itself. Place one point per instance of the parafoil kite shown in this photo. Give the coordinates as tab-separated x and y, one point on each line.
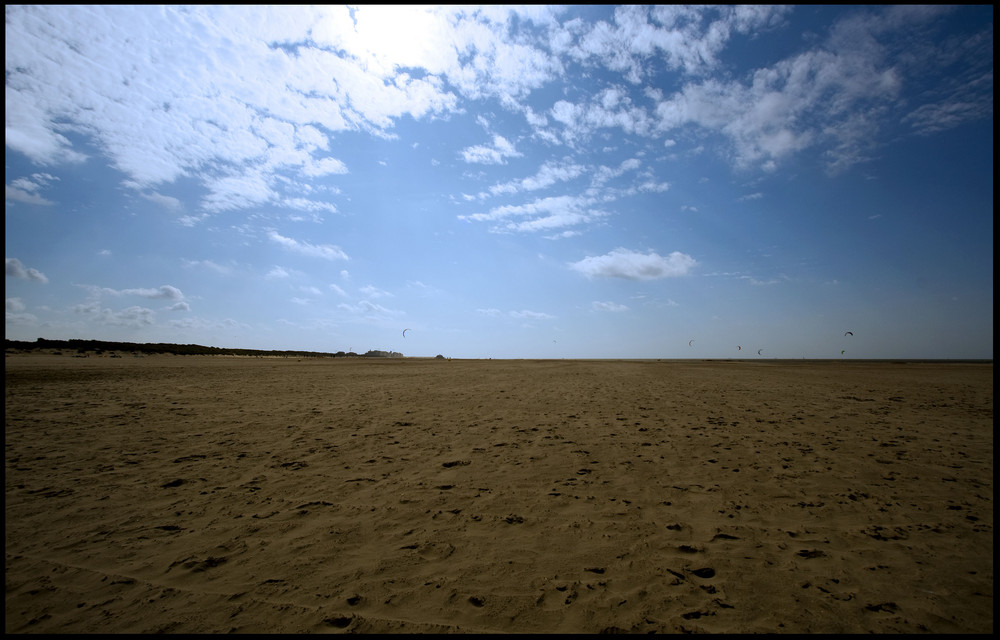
404	332
849	333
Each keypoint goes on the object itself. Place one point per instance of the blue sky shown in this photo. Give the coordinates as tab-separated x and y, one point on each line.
571	182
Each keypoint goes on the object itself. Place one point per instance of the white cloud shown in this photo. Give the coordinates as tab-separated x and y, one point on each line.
241	191
374	292
305	204
15	313
339	291
166	292
544	214
422	289
684	38
132	317
323	167
651	186
27	197
604	174
608	306
167	202
234	96
497	153
220	90
547	175
15	269
325	251
26	189
208	264
29	129
525	314
311	290
836	96
536	120
369	310
556	213
632	265
757	282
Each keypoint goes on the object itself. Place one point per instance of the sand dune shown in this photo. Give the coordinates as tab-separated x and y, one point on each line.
199	494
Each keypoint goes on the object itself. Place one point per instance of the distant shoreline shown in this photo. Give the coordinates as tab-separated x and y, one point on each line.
251	354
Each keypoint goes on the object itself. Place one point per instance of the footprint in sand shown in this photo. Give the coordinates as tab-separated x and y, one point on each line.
340	622
477	601
706	572
198	566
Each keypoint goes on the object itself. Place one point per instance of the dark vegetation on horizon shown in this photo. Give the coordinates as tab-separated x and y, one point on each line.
101	347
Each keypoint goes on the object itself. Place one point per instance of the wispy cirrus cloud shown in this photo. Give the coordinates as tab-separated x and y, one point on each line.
522	314
613	307
543	214
526	314
209	265
374	292
369	309
324	251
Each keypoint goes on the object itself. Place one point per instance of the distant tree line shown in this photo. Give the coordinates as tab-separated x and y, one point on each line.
382	354
102	346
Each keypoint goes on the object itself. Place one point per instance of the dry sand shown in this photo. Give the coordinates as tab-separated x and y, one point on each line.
199	494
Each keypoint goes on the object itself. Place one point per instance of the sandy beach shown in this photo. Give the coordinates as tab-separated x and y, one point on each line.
196	494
